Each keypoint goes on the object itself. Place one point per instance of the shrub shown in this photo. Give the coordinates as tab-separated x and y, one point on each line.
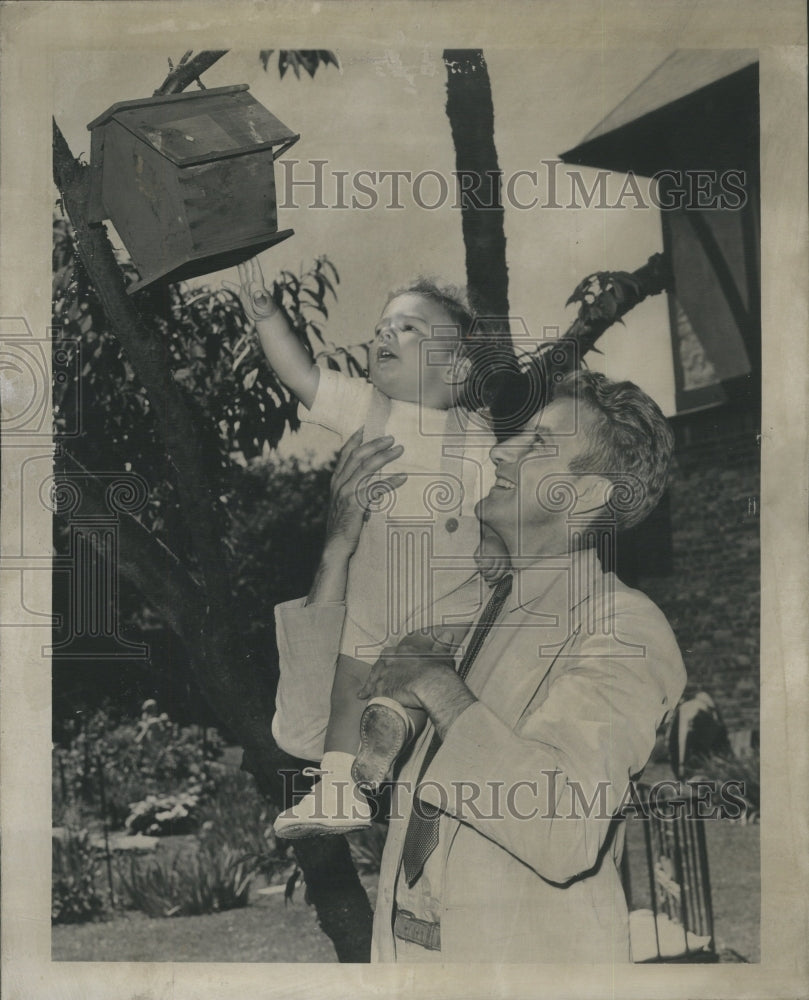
278	514
151	756
74	898
238	811
209	879
238	817
159	815
235	845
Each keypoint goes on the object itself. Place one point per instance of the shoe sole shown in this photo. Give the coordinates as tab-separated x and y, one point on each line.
383	735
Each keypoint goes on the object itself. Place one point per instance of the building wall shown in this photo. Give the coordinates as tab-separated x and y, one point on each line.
711	597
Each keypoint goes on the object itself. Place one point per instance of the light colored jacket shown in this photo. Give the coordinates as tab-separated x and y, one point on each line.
572	686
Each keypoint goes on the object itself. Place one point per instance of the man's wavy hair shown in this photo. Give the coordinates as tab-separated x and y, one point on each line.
487	348
630	442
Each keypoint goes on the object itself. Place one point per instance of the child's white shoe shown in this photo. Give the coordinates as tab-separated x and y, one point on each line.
385	730
333	805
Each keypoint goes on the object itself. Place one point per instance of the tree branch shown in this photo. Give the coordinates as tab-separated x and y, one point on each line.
619	292
188	70
605	298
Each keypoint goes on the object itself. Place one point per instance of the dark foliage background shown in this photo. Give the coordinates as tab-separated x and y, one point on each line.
273	511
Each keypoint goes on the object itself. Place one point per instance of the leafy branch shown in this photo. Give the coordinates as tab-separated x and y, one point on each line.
299	59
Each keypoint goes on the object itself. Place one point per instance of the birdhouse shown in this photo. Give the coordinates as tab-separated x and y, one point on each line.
187	180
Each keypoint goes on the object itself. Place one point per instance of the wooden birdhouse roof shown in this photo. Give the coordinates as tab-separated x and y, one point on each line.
200	126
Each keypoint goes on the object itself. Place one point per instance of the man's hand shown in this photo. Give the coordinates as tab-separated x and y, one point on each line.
255	297
491	556
420	673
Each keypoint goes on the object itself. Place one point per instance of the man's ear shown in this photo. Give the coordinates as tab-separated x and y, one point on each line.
593	492
458	371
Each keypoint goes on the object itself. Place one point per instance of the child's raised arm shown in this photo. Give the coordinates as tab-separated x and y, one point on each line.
281	347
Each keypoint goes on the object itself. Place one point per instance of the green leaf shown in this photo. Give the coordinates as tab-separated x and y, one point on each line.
309	61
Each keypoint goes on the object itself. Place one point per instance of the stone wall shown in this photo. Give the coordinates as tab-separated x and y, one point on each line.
711	597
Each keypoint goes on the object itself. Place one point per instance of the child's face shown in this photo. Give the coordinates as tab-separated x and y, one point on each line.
413	356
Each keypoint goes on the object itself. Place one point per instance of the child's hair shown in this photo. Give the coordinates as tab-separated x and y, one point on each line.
488	351
451	298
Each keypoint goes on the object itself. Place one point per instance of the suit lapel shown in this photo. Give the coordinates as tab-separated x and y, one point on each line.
515	663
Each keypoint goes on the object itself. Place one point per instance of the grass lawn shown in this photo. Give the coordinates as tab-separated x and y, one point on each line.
735	865
269	931
264	931
734	868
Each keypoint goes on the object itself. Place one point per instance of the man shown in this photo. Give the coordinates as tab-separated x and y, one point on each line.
504	845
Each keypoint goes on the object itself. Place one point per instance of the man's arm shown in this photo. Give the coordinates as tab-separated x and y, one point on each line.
547	789
422	668
571	758
285	353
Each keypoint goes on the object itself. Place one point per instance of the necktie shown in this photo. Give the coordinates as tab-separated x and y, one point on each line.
421	838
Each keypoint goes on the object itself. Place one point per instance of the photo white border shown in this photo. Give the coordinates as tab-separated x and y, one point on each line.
31	31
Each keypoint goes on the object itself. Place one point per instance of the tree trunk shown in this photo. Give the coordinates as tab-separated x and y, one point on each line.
142	558
471	117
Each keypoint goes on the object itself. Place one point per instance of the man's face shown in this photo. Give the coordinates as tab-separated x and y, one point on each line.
520	506
413	354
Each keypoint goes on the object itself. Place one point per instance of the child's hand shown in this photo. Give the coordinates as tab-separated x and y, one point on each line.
254	295
492	557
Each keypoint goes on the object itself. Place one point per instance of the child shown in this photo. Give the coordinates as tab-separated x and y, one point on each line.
411	559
